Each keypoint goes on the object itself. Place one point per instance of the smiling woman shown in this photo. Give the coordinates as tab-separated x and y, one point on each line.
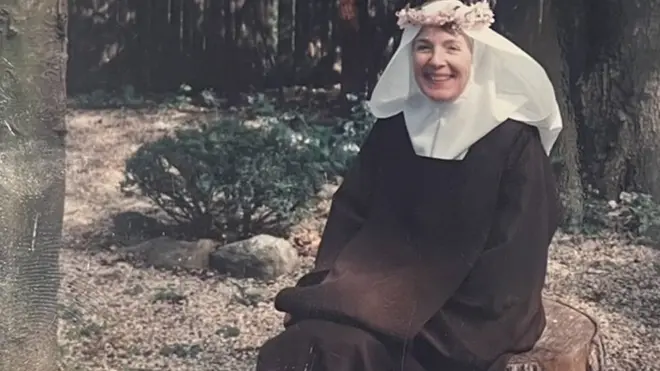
434	253
442	62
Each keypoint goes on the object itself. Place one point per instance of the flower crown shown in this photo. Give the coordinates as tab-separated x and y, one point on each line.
447	13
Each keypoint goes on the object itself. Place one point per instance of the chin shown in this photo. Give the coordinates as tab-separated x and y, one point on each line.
441	96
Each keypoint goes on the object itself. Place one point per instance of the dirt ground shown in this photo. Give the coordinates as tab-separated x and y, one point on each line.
98	144
116	317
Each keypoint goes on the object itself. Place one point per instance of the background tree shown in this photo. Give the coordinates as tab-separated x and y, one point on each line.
619	96
601	56
32	107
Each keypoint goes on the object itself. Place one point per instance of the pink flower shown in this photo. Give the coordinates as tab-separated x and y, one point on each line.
473	16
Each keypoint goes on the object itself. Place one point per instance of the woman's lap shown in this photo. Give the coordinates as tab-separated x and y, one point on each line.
317	345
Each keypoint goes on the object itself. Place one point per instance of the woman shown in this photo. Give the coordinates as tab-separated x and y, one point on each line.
434	253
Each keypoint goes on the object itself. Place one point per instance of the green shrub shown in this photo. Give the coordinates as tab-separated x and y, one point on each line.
335	146
633	214
334	141
227	179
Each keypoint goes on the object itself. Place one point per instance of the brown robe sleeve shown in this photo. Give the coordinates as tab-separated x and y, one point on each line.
350	203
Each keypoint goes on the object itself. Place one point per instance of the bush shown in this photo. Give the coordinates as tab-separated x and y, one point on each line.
227	179
351	136
336	145
634	214
334	141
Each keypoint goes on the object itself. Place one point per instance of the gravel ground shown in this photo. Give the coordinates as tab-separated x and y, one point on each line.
150	320
117	317
617	284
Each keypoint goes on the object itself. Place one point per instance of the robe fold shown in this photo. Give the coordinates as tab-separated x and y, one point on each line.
426	264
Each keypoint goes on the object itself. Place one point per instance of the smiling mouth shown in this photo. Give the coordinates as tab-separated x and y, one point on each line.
438	78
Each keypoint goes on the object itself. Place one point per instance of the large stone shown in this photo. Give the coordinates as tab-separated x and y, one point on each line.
261	257
168	253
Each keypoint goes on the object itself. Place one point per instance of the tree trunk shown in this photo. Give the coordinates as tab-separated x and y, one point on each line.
384	30
571	341
622	98
285	32
353	72
535	27
302	15
32	108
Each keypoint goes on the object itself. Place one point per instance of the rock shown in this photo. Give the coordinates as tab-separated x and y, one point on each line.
262	257
168	253
250	297
108	275
327	191
228	331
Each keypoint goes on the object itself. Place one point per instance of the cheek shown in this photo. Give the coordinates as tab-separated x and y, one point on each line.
464	67
418	64
466	76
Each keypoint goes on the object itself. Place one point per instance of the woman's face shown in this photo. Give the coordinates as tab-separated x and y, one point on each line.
441	63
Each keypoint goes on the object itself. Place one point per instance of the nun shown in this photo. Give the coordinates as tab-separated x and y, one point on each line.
434	254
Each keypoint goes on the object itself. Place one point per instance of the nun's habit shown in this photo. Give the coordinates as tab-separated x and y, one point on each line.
434	253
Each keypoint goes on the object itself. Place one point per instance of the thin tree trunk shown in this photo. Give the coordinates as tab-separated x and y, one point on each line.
352	65
385	29
301	38
32	109
285	40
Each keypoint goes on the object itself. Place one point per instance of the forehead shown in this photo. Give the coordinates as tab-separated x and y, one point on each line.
440	35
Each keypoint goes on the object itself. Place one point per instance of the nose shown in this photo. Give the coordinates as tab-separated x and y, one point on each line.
438	59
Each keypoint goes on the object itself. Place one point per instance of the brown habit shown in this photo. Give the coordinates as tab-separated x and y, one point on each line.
426	264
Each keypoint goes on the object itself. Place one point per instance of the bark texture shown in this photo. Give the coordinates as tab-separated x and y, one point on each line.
32	158
621	97
570	342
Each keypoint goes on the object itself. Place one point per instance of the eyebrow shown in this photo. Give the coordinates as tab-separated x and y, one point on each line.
424	40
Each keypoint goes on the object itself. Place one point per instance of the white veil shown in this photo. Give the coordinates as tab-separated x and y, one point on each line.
505	83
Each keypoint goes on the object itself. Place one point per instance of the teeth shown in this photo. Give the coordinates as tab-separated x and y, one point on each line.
439	79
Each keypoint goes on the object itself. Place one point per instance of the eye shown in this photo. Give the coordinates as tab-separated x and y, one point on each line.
424	49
